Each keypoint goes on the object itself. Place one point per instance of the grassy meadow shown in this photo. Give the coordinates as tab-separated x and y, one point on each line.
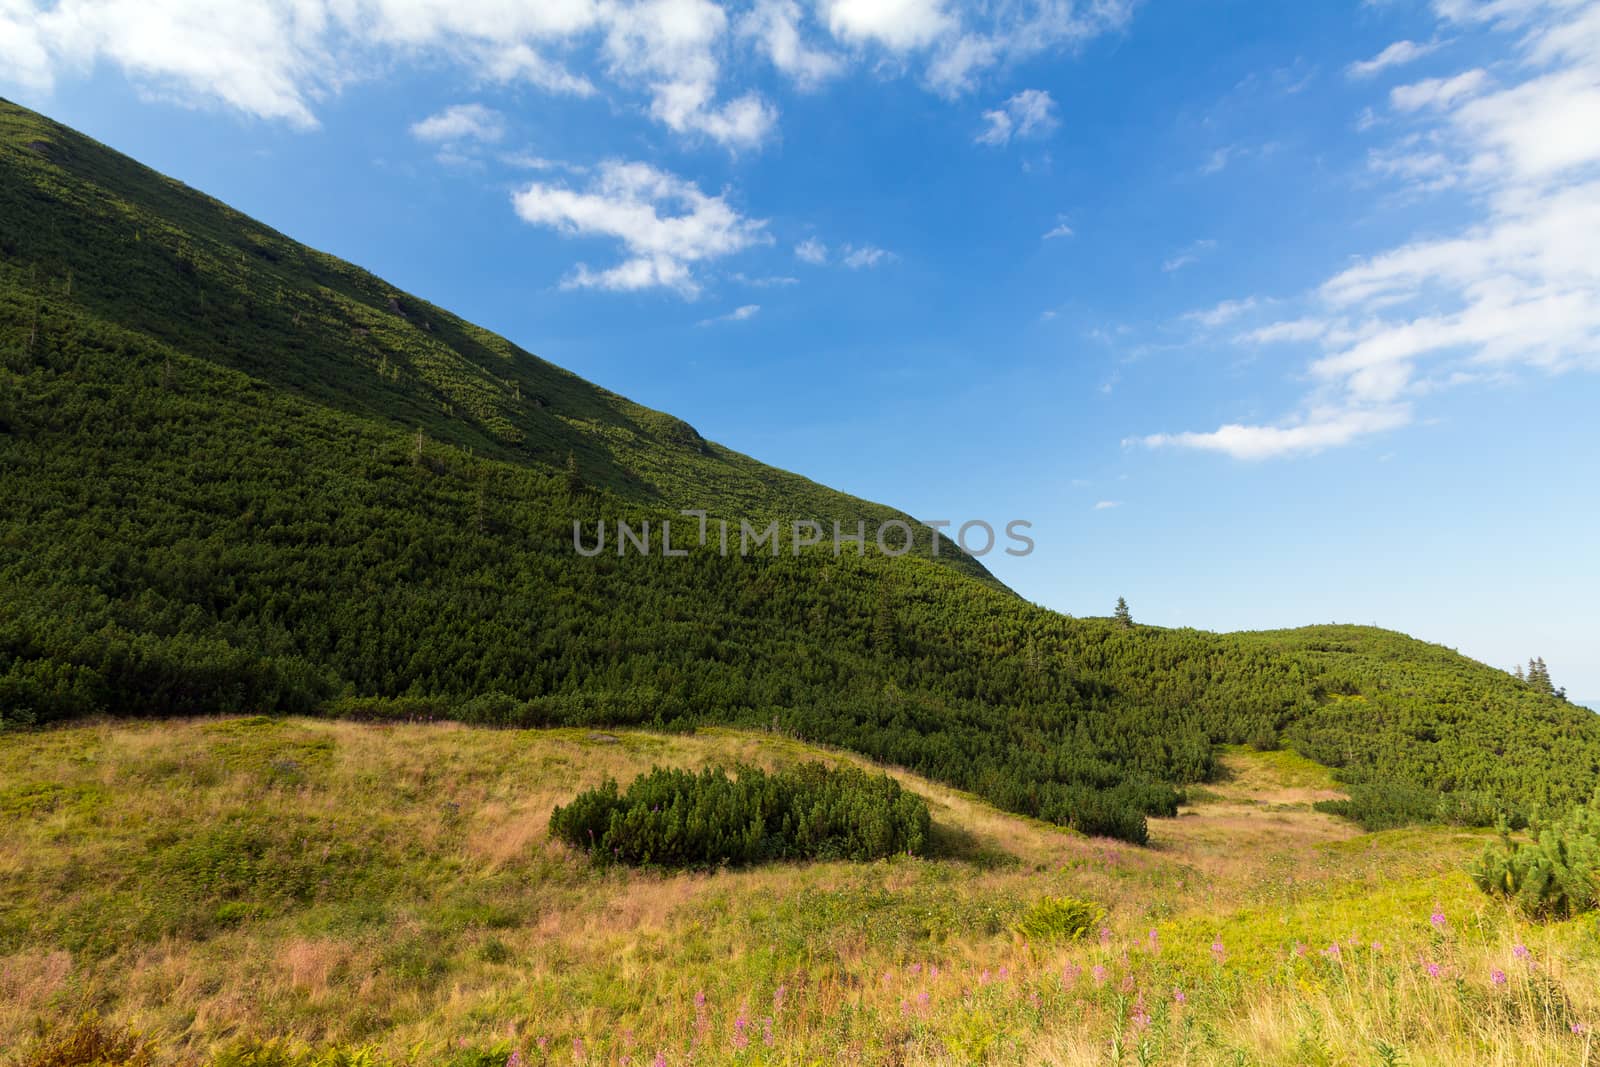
254	891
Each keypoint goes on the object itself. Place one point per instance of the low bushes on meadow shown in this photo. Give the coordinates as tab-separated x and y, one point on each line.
675	818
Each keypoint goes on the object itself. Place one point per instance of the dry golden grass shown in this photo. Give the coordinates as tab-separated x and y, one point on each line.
399	889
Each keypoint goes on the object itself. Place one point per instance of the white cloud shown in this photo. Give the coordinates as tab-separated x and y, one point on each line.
865	257
462	122
1396	55
1222	313
739	314
775	27
1320	430
1519	288
1030	113
811	251
1061	230
670	46
1289	331
685	61
664	223
1189	255
521	63
773	281
1437	92
1217	161
1106	505
896	24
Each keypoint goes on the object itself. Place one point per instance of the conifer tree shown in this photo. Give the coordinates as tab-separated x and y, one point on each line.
1123	616
574	475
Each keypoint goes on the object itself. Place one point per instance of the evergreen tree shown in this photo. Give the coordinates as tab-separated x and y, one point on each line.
574	476
1539	676
1123	616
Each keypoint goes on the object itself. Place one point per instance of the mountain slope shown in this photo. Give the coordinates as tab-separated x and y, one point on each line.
241	475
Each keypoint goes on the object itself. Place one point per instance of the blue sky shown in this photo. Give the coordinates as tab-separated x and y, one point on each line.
1262	313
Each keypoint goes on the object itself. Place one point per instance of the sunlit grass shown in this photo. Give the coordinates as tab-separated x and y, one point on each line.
329	883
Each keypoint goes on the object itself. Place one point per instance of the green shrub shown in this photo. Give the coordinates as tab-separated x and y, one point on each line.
674	818
1385	806
1388	805
1060	919
1555	874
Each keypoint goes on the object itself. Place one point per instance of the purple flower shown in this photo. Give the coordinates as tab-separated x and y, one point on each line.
767	1037
1579	1028
1105	935
1178	997
1099	973
1520	951
577	1048
1069	974
1218	951
777	998
1433	970
1155	941
1332	952
700	1000
1437	918
1005	972
660	1060
515	1059
741	1040
1497	976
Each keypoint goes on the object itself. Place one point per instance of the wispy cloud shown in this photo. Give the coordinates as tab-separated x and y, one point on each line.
684	63
865	257
1396	55
811	251
665	224
1519	287
1223	313
739	314
462	122
1029	114
1061	230
1106	505
1188	255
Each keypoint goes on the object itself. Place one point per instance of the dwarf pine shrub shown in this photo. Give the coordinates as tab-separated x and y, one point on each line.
1553	875
674	818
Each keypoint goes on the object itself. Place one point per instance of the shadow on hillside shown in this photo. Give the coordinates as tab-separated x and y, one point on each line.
947	841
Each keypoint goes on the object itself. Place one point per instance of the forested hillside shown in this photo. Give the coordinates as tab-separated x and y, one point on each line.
239	475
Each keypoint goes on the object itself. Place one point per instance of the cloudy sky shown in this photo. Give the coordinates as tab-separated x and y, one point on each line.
1263	313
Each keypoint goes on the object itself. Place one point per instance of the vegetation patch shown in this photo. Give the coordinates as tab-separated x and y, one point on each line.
1390	805
1060	919
1556	874
673	818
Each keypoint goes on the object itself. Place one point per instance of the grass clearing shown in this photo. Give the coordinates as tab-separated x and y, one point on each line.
208	882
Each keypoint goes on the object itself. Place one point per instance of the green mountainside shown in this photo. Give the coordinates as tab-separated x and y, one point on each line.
240	475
